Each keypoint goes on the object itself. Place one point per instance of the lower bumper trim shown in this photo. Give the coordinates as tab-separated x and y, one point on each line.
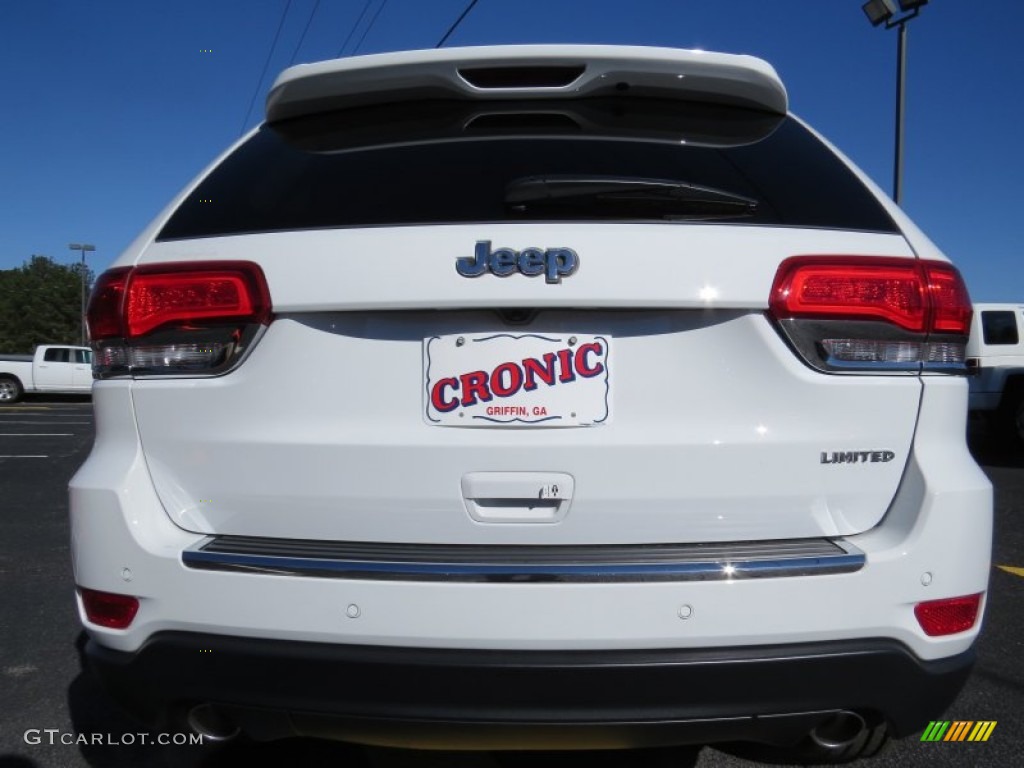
624	697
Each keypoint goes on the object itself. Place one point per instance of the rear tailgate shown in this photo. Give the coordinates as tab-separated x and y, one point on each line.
714	429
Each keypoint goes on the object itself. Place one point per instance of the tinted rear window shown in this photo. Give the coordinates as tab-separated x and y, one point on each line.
453	162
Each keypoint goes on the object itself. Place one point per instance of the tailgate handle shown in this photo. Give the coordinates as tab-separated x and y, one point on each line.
517	497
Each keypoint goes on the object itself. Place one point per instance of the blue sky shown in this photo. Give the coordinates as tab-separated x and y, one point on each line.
111	106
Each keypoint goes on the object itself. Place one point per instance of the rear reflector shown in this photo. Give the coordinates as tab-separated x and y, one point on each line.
949	616
107	609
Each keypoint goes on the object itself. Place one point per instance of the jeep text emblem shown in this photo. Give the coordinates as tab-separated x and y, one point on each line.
553	263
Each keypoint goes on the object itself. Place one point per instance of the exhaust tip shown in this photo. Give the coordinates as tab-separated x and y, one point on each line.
212	724
839	731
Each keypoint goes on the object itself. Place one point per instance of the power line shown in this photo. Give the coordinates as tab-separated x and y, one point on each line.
355	26
369	27
456	24
304	31
266	64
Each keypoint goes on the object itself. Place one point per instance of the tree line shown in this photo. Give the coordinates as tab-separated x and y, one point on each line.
40	303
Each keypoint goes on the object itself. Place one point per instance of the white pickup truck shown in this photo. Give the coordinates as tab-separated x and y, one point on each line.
995	355
53	368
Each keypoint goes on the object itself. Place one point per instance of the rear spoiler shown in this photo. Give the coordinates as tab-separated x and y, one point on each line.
526	72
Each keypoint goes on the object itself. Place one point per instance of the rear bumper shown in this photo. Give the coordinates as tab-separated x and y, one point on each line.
493	699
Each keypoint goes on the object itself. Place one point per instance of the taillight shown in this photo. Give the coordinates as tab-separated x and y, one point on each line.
108	609
951	306
104	314
179	318
948	616
855	313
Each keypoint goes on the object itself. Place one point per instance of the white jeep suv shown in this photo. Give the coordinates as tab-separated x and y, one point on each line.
574	396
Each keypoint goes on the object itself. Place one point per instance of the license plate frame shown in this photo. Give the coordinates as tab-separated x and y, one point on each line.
519	380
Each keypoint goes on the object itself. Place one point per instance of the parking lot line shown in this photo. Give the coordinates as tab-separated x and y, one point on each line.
25	456
37	434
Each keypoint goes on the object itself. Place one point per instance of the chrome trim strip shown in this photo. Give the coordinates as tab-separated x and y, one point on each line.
518	564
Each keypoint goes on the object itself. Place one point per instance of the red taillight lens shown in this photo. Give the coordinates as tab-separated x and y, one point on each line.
951	305
158	297
949	616
133	302
107	609
104	314
870	288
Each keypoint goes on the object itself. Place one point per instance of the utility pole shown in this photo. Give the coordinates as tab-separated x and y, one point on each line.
83	247
884	12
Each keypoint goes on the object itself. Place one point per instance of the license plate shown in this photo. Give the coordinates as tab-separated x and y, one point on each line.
517	380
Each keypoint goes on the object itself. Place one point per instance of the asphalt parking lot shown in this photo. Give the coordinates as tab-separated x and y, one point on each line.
46	699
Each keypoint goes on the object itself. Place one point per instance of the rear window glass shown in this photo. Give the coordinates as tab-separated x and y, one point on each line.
999	327
445	162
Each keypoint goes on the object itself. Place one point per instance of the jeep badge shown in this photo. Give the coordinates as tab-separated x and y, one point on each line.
553	263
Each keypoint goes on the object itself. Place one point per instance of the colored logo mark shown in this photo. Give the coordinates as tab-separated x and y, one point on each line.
958	730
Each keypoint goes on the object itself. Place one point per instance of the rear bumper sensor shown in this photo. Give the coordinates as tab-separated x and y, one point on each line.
519	564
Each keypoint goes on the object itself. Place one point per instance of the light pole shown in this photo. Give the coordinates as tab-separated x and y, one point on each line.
884	12
83	247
